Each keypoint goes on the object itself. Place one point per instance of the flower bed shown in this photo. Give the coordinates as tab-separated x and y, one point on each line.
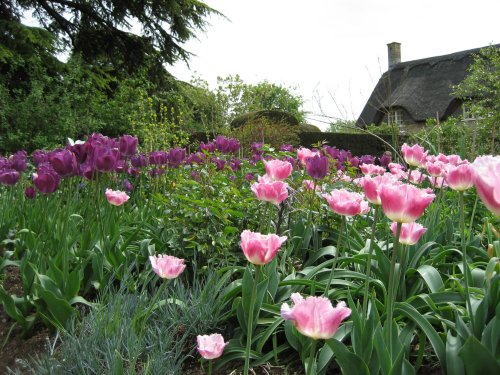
203	244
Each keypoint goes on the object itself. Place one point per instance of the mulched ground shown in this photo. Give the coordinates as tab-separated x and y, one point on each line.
12	343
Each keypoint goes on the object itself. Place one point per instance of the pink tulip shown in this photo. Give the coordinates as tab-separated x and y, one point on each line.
397	170
304	153
416	177
460	177
310	185
487	181
347	203
437	182
116	197
278	170
434	168
274	192
167	266
371	186
370	169
410	232
260	249
414	155
404	203
211	346
315	317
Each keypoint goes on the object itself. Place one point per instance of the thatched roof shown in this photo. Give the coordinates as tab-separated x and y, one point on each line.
421	87
273	116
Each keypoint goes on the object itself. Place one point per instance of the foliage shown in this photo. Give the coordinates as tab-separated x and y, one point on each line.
97	30
480	90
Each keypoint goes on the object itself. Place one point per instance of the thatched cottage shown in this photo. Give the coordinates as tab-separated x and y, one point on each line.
411	92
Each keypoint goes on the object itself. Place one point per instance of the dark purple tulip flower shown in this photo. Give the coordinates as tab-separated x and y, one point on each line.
46	179
333	151
209	147
354	161
19	161
105	159
139	161
288	148
128	145
317	167
233	145
249	177
220	164
121	166
80	150
385	159
127	185
64	162
221	143
158	158
30	192
9	177
235	165
176	156
257	148
367	159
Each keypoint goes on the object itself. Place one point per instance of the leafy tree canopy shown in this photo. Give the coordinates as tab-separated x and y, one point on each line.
98	29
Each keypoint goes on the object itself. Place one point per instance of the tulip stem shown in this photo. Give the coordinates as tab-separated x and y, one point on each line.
310	367
337	255
250	320
392	286
210	367
369	262
464	259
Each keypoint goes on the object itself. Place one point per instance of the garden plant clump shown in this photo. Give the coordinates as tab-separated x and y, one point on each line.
290	260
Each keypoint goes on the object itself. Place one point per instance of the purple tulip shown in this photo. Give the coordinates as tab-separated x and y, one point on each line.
385	159
158	158
176	156
19	161
257	148
121	166
30	192
367	159
233	145
105	159
354	161
288	148
64	162
334	152
80	150
127	185
139	161
208	147
9	177
249	177
235	165
317	167
128	145
46	179
219	163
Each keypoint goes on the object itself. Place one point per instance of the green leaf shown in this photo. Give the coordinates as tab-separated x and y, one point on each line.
349	362
431	277
454	364
478	359
423	323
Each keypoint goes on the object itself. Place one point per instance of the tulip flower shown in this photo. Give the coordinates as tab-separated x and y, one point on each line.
64	162
370	169
315	317
404	203
46	180
260	249
9	177
304	153
371	186
317	167
19	161
410	232
176	156
105	159
460	177
211	346
127	145
167	266
274	192
435	169
487	181
30	192
278	170
116	197
414	155
346	203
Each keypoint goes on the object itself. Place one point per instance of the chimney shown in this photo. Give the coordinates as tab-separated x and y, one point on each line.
394	54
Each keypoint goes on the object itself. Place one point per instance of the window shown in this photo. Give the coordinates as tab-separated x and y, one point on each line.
467	114
395	116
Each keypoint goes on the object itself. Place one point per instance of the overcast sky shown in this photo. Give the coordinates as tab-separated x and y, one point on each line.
333	51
